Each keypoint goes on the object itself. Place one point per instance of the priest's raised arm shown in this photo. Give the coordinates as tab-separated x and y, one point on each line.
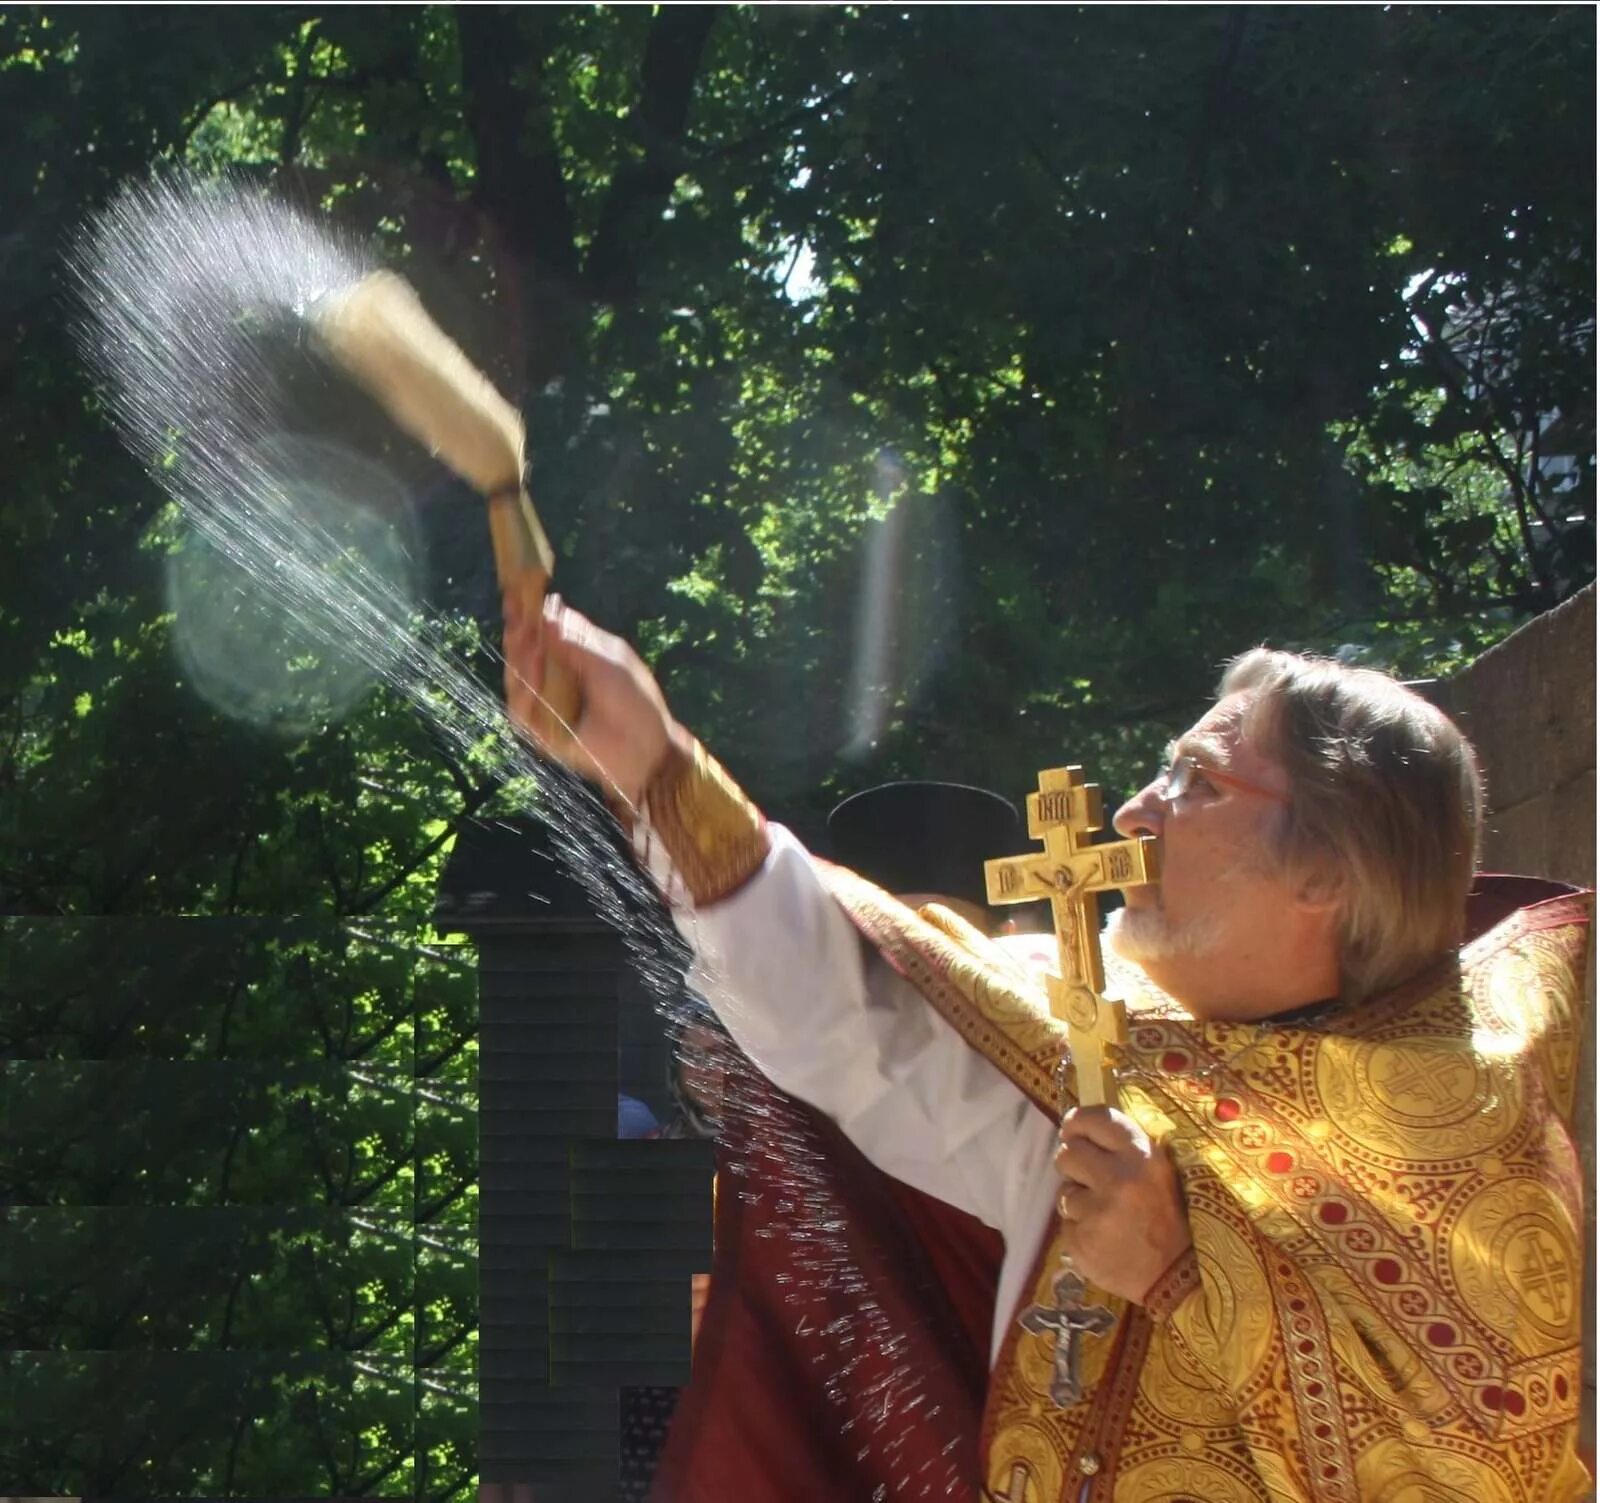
816	1006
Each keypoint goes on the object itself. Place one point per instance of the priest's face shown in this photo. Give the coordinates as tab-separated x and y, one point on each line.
1225	932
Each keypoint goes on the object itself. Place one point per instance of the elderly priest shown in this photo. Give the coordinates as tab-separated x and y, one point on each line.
1327	1245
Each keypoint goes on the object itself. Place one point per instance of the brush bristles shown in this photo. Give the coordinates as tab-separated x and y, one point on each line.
381	334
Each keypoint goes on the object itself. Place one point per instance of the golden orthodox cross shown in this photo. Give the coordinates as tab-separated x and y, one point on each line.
1072	874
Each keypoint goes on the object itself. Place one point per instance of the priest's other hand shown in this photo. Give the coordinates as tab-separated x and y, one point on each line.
623	727
1121	1203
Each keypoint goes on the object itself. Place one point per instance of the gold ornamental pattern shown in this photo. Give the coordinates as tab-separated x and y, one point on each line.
1389	1095
1531	986
1177	1384
714	836
1514	1257
1184	1480
1390	1473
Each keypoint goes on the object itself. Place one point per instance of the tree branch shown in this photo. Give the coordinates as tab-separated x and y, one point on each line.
227	1167
329	1460
301	101
235	876
365	1191
323	1169
370	1041
1211	113
1450	366
198	117
519	182
365	1485
429	1209
426	1067
470	807
779	127
329	861
226	1023
360	1339
429	1355
226	1333
640	188
240	1426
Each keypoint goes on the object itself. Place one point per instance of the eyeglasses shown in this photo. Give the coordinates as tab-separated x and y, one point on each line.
1179	779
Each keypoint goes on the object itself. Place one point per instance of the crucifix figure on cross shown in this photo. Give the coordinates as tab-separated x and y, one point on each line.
1072	874
1069	1319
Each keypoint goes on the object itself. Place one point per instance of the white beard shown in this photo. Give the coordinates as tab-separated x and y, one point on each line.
1147	935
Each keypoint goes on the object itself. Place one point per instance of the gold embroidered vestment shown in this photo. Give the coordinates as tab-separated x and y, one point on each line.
1384	1300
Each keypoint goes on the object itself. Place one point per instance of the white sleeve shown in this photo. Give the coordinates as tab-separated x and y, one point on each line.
826	1019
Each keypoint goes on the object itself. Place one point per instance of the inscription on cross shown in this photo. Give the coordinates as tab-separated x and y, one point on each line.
1072	873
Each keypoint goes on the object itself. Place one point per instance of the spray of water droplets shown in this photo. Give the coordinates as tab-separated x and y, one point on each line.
194	295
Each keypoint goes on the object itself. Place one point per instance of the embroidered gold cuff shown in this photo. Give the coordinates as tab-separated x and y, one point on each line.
715	838
1174	1286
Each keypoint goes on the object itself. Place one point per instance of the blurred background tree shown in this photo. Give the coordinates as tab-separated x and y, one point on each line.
930	391
1166	333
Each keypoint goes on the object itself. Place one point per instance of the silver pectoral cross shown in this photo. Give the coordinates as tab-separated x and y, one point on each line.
1069	1319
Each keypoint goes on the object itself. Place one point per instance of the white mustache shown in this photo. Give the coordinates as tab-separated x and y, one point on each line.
1145	934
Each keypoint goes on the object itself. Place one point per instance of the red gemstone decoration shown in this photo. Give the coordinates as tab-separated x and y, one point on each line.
1314	1390
1442	1334
1515	1403
1561	1385
1386	1271
1227	1109
1333	1213
1491	1397
1306	1348
1174	1063
1280	1163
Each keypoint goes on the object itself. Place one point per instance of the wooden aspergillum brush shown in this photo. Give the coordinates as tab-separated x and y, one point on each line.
378	331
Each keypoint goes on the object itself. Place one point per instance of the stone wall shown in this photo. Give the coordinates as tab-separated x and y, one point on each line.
1528	705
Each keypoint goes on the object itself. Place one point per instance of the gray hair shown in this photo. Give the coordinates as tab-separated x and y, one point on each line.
1386	806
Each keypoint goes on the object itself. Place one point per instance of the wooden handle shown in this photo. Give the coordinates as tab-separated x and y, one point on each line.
522	565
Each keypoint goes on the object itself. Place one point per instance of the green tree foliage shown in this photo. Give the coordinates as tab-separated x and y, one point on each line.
930	391
1169	332
249	1143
